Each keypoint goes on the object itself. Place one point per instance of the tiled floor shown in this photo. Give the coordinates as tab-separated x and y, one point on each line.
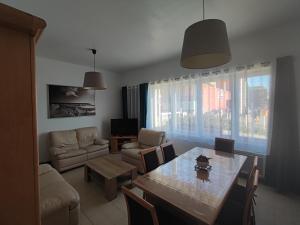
272	208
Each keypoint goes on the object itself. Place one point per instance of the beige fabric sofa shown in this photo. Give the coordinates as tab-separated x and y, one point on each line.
72	148
146	139
59	201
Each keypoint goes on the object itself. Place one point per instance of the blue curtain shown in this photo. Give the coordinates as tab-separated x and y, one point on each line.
124	103
282	168
143	104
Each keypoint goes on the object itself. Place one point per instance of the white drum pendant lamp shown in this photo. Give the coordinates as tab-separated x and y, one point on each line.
94	80
205	44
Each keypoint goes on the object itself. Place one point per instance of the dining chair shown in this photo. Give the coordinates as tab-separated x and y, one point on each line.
168	152
240	214
150	159
239	192
224	145
143	212
139	210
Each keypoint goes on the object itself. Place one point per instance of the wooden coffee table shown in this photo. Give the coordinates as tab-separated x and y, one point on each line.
110	167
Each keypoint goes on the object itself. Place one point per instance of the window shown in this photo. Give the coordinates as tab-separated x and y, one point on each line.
230	103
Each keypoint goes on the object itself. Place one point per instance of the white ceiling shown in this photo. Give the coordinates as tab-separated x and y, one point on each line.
133	33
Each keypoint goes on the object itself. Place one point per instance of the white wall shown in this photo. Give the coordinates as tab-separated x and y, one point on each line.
264	45
108	102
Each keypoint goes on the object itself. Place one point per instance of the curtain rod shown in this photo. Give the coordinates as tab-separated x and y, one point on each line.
213	71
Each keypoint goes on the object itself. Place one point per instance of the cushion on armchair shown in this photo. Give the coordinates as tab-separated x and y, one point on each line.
133	153
130	145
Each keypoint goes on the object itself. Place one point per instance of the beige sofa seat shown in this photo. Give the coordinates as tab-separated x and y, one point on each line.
72	148
59	201
146	139
94	148
71	153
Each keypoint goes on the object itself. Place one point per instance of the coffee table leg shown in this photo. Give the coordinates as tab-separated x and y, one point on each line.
111	189
87	174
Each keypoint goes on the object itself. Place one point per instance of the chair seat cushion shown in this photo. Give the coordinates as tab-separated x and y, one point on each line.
94	148
71	153
145	146
130	145
133	153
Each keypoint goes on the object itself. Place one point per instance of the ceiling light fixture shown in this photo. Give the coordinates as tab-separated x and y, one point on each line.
92	79
205	44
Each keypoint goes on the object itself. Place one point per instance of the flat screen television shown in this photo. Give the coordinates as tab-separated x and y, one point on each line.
124	127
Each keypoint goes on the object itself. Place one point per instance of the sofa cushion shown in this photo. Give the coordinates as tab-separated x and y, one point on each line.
68	163
86	136
71	153
55	192
65	139
133	153
94	148
100	141
44	168
151	137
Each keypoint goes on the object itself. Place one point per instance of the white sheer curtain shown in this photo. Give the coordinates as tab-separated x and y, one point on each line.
133	102
232	103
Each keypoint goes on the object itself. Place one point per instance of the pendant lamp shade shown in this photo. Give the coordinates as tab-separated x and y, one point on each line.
94	80
205	45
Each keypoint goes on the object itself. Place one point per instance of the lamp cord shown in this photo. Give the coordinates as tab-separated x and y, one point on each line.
94	63
203	11
94	51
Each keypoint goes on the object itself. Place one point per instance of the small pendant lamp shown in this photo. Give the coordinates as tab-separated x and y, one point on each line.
92	79
205	44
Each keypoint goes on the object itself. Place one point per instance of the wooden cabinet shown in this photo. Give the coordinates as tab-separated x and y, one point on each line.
116	142
19	189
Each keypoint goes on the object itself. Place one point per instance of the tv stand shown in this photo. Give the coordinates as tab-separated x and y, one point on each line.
116	142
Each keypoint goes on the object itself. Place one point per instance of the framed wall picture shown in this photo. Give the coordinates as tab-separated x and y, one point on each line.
68	101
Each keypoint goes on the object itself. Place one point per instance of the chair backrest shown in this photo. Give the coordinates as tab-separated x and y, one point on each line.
252	173
247	214
150	159
151	138
139	210
168	152
224	145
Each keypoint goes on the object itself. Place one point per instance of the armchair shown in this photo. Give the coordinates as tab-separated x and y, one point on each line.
146	139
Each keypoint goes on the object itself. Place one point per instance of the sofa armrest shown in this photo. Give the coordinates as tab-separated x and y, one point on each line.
130	145
100	141
57	151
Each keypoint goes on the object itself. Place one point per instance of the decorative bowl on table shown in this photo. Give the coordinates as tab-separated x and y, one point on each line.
203	174
202	162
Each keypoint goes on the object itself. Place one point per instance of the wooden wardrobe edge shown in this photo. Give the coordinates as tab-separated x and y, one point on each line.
19	20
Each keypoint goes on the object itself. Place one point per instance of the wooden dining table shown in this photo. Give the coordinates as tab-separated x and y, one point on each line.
197	194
